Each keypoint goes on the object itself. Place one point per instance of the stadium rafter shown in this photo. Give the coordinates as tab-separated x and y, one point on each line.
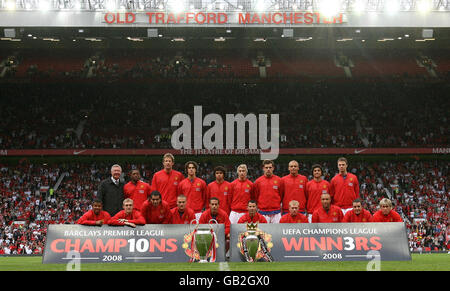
227	5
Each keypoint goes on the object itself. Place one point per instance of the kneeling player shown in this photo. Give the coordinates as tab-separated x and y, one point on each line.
358	213
155	210
327	213
386	213
294	216
128	216
252	214
96	216
182	214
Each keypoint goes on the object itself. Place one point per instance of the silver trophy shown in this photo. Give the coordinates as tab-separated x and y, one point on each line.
253	246
204	242
251	242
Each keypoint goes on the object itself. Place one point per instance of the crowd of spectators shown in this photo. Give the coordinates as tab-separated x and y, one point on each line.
168	67
213	64
129	64
404	116
418	189
353	115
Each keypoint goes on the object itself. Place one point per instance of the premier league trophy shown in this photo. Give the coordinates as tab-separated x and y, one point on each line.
253	246
251	242
203	243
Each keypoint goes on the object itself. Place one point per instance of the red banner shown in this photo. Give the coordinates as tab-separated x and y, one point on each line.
201	152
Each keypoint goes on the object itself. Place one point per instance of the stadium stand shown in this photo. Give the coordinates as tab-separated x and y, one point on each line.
311	115
210	64
418	189
389	101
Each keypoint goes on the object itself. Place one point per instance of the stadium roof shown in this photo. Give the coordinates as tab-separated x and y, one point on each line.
226	38
227	5
234	24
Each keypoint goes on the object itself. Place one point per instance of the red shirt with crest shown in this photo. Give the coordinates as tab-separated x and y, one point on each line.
160	214
138	192
333	215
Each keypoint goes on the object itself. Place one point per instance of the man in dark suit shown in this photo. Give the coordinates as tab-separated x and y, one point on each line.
110	191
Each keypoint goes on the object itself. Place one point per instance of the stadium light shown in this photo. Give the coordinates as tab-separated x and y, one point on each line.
176	6
392	6
260	6
359	6
111	5
330	7
424	6
10	5
44	5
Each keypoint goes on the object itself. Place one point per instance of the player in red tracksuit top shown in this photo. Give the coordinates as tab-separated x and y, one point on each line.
241	194
95	216
344	187
128	216
137	190
314	189
156	211
194	188
214	212
294	216
294	188
166	181
268	193
182	214
252	214
220	189
327	213
358	213
386	213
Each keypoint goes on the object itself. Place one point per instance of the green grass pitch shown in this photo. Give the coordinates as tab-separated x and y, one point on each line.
419	262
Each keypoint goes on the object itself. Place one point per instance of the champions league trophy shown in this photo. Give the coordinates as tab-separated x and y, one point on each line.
253	246
204	243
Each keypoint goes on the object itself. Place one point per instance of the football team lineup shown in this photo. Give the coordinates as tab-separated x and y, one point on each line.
225	140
